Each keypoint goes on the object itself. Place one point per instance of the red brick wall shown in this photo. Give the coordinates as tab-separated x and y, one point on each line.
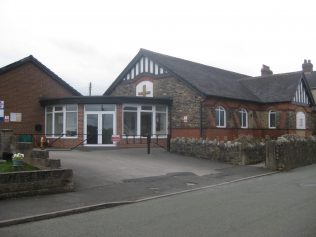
185	132
20	89
257	119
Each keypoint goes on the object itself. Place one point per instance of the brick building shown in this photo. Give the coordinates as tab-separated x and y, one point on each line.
22	84
157	95
215	103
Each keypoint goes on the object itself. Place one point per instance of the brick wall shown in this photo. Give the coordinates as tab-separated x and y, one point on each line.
258	116
20	89
28	183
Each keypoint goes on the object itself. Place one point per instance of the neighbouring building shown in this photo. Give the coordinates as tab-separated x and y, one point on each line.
157	95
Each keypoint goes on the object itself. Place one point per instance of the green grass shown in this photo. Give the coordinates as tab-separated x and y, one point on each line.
7	167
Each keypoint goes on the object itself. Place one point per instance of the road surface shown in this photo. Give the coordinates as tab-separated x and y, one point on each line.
280	205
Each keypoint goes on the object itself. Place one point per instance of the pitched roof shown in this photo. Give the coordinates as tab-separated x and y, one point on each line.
274	88
311	78
33	60
212	81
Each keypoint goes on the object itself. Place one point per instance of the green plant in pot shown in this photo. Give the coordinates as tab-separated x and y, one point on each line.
17	159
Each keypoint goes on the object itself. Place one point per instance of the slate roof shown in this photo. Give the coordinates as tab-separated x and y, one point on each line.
274	88
311	78
212	81
33	60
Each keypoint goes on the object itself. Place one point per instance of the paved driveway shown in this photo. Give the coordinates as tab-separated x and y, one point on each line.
102	167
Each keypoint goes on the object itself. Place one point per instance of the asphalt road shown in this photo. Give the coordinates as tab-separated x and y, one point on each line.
282	204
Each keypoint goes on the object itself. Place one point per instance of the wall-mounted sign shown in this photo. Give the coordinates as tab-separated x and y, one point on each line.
16	117
185	119
1	110
6	119
116	138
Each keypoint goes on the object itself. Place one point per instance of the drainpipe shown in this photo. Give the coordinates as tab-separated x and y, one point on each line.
201	119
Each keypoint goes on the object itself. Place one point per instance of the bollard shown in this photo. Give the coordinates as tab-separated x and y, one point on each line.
148	143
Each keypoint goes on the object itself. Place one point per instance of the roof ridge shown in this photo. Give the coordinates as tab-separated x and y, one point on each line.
272	75
189	61
33	60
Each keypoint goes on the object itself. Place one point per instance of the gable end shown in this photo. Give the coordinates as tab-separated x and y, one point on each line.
302	95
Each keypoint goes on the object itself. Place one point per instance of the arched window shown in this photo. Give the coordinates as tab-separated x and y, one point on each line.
220	117
272	119
243	118
300	120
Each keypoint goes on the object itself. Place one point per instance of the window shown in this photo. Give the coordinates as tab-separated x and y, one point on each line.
161	120
272	119
100	107
130	120
71	121
300	120
141	120
243	118
220	117
61	121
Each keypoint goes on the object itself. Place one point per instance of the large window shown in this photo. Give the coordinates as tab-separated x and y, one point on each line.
144	120
130	120
61	121
272	119
220	117
300	120
161	120
243	118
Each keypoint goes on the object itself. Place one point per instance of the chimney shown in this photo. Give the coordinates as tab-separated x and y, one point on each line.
307	66
265	70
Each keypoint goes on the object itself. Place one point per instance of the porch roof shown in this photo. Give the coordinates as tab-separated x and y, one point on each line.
105	100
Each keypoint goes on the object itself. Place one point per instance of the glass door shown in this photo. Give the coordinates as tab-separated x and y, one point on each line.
107	128
100	127
92	129
146	123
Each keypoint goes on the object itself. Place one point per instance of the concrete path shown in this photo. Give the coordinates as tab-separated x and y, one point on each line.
123	175
102	167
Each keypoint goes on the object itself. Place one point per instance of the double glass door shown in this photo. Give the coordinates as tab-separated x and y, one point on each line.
99	128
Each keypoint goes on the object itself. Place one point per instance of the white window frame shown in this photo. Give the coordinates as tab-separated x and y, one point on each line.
64	112
275	117
243	111
220	109
299	116
153	111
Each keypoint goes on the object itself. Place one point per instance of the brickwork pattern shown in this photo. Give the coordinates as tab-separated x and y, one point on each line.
29	183
20	89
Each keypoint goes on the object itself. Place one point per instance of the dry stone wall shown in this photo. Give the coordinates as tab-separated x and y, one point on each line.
290	151
242	151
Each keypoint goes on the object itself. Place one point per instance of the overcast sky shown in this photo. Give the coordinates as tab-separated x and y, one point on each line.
93	41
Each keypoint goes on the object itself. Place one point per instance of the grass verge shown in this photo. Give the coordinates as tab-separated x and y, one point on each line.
7	167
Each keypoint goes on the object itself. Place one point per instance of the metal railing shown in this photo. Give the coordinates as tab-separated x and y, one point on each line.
41	139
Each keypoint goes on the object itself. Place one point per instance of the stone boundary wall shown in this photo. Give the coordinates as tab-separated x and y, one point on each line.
289	152
28	183
242	151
